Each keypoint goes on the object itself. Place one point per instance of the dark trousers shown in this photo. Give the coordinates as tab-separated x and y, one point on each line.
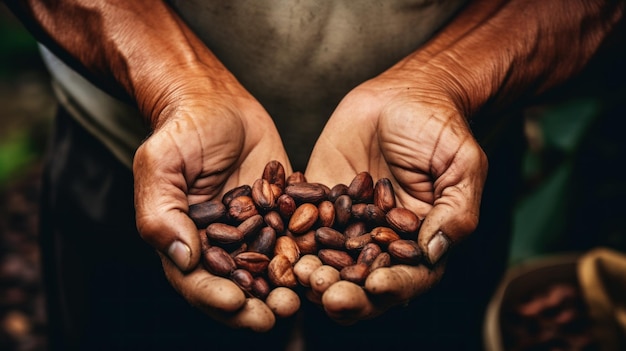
106	289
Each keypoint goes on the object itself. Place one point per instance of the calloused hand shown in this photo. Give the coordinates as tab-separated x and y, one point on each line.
415	136
207	143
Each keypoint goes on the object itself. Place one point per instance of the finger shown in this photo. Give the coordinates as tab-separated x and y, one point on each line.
219	298
390	286
456	209
203	289
161	203
347	303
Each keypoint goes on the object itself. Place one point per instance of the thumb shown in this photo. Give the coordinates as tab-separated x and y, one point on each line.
161	209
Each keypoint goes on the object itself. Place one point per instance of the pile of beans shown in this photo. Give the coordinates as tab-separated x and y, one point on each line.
271	236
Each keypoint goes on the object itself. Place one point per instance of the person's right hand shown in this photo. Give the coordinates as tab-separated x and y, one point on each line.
207	140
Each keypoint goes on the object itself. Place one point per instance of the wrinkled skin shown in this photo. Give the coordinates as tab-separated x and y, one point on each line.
205	147
415	136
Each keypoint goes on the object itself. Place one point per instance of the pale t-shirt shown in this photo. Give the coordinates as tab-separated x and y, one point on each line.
298	58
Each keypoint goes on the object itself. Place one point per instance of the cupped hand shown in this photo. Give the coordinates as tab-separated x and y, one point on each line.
413	133
205	143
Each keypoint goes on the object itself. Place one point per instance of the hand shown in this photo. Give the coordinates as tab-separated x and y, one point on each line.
414	135
205	143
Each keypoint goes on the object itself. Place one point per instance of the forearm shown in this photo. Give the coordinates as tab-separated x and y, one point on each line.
139	47
496	51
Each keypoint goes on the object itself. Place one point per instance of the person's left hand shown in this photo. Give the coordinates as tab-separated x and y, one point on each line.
414	135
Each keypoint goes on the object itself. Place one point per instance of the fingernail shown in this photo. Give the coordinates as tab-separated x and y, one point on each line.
437	247
180	254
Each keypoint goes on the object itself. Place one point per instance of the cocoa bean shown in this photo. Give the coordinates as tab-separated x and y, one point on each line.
336	191
280	272
403	221
361	189
359	211
264	242
384	236
217	261
375	215
330	237
306	242
274	220
384	195
254	262
303	218
326	214
242	190
260	288
274	173
286	246
242	278
306	192
343	210
382	260
369	253
355	229
263	195
405	251
251	226
205	213
223	233
242	208
335	258
356	273
286	205
358	242
295	178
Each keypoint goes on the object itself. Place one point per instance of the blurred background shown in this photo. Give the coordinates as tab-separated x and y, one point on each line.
26	109
573	197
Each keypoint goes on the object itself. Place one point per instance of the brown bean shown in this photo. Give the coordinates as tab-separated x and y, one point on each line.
242	208
306	192
286	246
355	229
405	251
217	261
336	191
242	190
264	242
358	242
295	178
223	233
330	237
384	195
274	173
260	288
384	236
382	260
274	220
343	210
335	258
243	279
326	214
250	227
280	272
254	262
369	254
361	189
303	218
286	205
356	273
403	221
263	195
205	213
306	242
